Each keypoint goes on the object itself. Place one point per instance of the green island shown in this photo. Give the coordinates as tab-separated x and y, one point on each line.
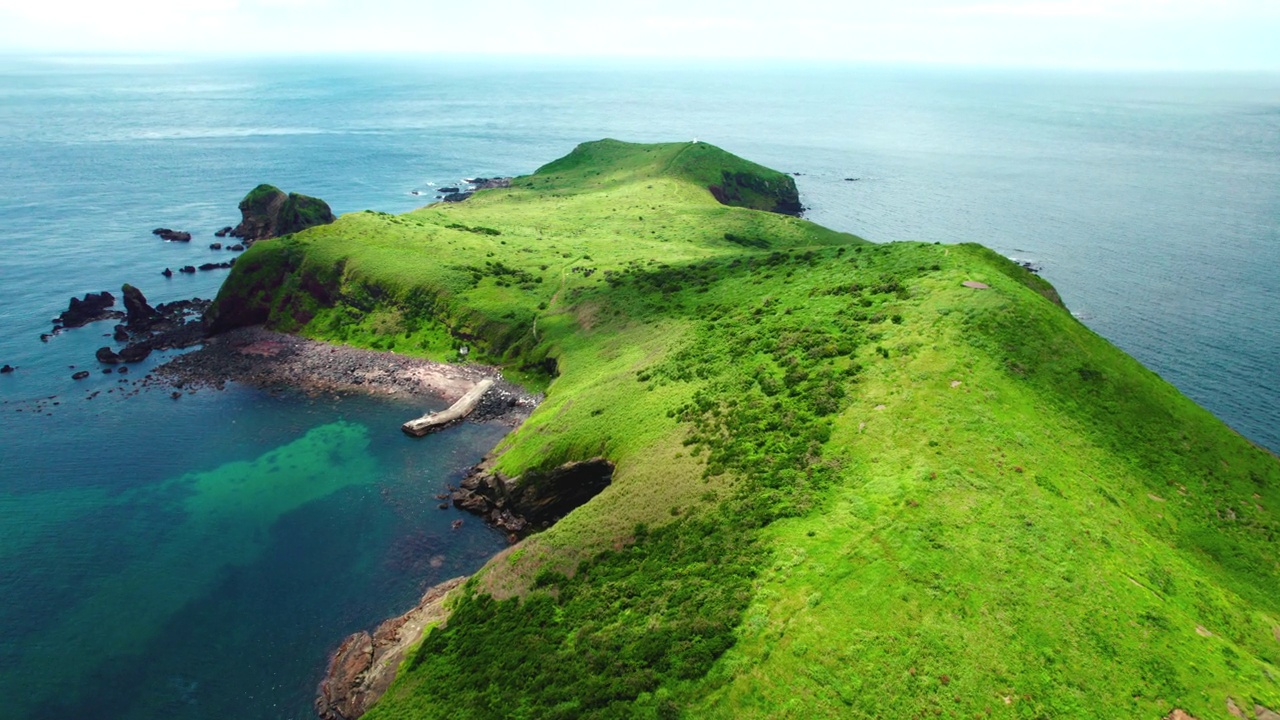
846	484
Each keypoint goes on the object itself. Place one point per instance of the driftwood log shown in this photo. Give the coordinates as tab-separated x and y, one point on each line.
434	421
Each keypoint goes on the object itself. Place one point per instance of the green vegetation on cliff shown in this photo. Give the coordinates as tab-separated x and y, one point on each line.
846	485
267	212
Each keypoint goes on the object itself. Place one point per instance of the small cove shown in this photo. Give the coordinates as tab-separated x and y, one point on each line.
204	562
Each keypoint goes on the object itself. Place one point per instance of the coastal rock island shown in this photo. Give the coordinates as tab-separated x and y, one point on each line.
268	212
828	480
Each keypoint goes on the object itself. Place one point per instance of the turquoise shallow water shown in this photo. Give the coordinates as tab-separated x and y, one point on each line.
197	558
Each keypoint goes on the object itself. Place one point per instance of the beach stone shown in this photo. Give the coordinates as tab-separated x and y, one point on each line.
80	375
107	355
7	369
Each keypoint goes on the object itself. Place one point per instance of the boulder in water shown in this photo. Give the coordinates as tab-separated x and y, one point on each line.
172	235
81	311
138	314
135	353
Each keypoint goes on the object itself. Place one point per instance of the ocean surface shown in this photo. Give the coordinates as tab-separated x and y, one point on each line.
197	557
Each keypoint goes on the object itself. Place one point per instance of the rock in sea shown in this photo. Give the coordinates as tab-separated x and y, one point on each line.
139	315
94	306
267	212
172	235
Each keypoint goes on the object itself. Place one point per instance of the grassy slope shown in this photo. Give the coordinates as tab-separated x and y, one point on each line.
847	486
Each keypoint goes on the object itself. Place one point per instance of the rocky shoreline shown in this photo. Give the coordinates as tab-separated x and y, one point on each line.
363	666
267	359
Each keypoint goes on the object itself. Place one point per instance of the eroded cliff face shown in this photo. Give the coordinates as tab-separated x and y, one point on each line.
267	212
362	668
535	500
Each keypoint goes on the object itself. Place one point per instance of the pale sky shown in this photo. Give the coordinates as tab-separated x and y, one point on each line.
1120	34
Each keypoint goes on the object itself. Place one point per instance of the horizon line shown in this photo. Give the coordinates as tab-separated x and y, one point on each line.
490	58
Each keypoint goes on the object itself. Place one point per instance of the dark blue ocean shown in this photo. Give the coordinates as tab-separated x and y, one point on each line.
196	558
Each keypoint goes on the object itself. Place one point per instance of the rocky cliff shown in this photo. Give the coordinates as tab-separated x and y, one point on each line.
267	212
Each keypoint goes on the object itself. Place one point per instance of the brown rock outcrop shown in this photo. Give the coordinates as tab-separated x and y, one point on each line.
363	666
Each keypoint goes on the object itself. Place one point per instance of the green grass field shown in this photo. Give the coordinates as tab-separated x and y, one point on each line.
847	485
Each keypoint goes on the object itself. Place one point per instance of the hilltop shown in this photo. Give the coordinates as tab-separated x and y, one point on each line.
844	484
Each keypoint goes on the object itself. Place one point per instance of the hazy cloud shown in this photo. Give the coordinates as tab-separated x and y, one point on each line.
1210	34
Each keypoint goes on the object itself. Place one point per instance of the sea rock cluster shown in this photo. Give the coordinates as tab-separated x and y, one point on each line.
145	328
171	235
457	194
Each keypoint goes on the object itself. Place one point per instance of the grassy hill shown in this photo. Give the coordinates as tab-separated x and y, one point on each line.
846	484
